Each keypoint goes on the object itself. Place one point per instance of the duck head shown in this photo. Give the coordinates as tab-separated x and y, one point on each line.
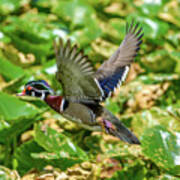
38	88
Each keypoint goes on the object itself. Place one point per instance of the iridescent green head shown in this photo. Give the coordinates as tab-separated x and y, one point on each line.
38	88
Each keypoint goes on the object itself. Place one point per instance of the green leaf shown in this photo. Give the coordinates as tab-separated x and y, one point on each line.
167	177
81	18
31	37
44	3
50	67
171	97
39	50
9	6
24	158
11	108
8	174
15	116
176	56
112	106
75	11
58	143
55	160
119	27
4	38
136	171
86	35
153	29
154	116
152	8
154	78
9	70
162	147
157	57
32	156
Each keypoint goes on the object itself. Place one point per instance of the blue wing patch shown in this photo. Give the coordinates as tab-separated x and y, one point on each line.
108	84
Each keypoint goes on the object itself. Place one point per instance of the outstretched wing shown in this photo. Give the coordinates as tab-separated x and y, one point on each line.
76	74
113	71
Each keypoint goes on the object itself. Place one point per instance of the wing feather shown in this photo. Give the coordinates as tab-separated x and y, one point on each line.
76	74
115	69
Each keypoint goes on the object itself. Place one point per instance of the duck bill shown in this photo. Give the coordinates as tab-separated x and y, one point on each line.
23	93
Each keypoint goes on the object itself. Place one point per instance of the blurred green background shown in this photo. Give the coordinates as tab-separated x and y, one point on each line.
36	142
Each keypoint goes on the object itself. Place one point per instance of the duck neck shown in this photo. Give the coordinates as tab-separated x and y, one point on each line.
55	102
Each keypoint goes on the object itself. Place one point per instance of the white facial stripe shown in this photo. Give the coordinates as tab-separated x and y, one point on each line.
43	96
33	93
62	105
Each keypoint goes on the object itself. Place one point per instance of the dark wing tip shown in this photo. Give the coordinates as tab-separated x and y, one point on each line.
129	26
60	42
128	137
135	140
68	52
68	43
56	44
134	28
63	49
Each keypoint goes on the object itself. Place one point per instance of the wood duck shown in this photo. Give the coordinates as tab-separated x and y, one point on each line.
84	89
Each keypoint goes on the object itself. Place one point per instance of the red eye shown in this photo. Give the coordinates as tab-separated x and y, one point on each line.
29	88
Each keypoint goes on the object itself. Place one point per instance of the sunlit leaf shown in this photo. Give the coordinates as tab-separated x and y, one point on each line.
136	171
157	57
9	6
167	177
58	143
154	116
82	19
162	147
152	78
8	174
76	12
152	8
148	103
24	158
112	106
15	115
9	70
153	28
31	37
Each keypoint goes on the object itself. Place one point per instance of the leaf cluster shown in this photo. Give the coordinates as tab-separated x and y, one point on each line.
36	142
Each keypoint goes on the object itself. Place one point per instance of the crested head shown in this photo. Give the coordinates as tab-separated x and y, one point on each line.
39	88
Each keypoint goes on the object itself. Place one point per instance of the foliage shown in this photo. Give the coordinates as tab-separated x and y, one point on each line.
36	142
